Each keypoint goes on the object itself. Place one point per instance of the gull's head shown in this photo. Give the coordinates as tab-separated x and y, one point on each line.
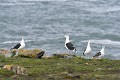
22	37
66	36
22	41
89	42
103	47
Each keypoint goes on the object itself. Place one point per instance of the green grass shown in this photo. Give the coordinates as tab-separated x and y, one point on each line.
62	69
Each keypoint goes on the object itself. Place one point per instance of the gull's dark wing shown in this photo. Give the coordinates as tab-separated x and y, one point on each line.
16	46
70	46
97	54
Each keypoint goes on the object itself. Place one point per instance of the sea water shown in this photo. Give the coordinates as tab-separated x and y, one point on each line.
43	24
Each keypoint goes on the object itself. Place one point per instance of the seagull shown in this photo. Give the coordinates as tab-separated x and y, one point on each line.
88	49
100	54
20	45
68	44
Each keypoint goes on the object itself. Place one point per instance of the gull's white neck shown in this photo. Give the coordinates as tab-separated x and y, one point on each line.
102	51
88	45
22	41
67	39
88	49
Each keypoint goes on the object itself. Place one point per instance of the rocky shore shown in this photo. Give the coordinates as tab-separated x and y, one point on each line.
32	65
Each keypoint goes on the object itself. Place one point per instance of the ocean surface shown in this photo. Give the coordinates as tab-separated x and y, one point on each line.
43	24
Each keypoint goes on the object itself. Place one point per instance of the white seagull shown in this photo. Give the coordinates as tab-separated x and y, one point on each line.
88	49
20	45
100	54
68	44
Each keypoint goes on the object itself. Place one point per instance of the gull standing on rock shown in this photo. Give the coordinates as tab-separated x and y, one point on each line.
20	45
68	44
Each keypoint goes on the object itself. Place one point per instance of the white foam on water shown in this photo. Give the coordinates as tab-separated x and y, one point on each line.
106	41
93	0
104	9
10	42
43	0
12	4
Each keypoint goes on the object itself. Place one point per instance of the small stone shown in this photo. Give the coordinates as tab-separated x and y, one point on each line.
58	64
8	67
86	63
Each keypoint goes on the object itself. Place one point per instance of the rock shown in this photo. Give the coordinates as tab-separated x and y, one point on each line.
76	77
70	76
66	56
40	54
3	52
86	63
36	53
8	67
19	70
58	56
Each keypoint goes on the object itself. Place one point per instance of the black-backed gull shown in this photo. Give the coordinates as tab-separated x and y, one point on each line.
100	54
68	44
20	45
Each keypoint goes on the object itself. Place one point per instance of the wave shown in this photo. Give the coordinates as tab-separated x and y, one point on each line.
44	0
93	0
10	42
106	41
104	9
12	4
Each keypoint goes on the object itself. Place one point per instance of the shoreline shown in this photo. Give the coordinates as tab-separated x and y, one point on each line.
58	67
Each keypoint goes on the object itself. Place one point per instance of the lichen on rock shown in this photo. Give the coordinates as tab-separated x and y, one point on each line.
35	53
